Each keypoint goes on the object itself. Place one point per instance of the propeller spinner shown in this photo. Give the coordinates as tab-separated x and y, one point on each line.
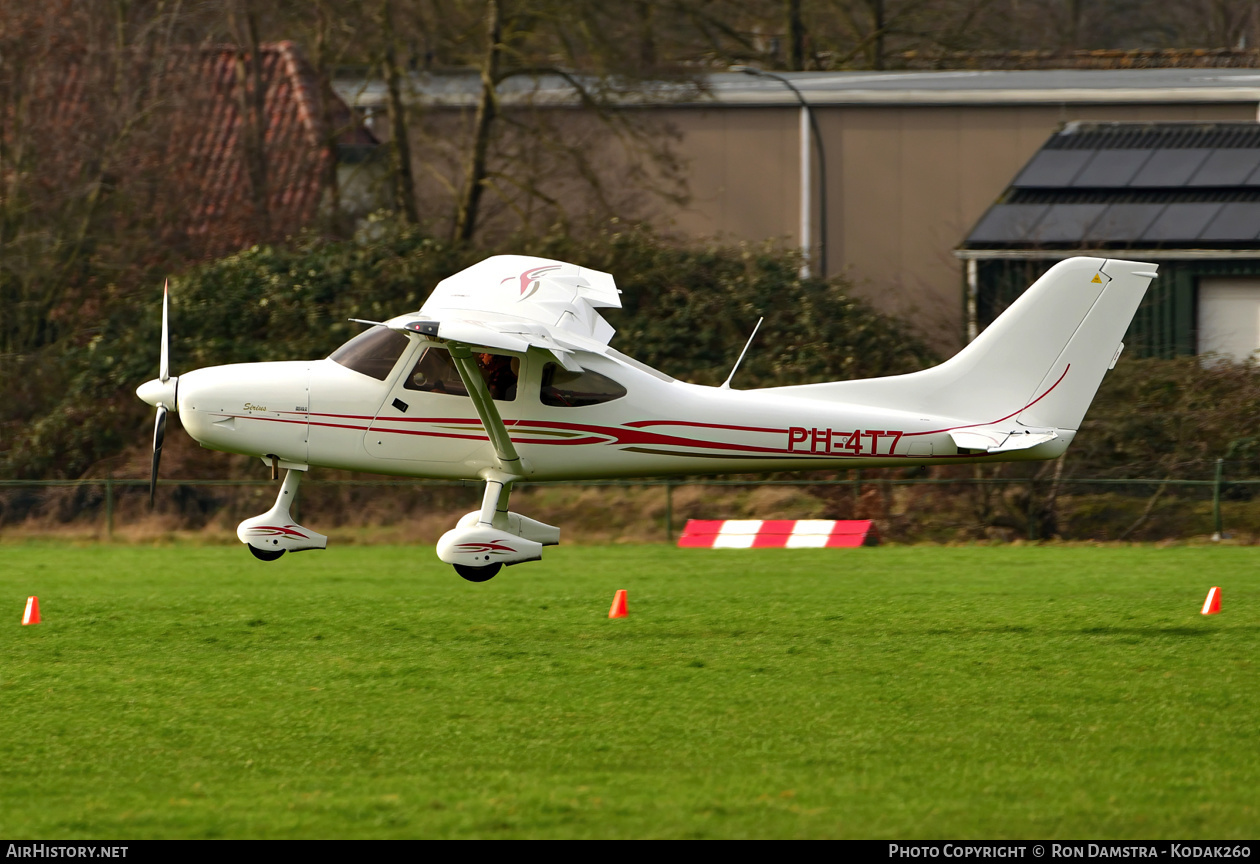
162	392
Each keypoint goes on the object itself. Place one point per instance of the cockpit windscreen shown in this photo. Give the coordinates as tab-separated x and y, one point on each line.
373	352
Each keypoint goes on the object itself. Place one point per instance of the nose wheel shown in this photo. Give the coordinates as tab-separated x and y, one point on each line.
472	574
264	554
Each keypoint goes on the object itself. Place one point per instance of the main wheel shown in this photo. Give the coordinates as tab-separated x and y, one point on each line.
266	554
477	574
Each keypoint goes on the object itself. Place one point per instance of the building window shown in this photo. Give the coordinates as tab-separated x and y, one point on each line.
1229	319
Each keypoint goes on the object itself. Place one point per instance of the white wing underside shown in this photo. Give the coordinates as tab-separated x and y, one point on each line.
517	302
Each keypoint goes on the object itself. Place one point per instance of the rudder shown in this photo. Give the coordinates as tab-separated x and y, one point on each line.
1069	386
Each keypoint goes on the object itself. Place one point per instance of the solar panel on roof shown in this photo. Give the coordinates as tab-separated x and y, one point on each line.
1123	222
1226	168
1181	223
1112	168
1174	184
1053	168
1152	136
1066	223
1170	167
1007	223
1237	221
1253	179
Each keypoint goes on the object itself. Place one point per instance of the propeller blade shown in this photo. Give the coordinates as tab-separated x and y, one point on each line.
159	432
164	365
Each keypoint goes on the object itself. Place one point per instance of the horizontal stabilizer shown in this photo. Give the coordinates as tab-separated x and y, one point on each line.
1000	439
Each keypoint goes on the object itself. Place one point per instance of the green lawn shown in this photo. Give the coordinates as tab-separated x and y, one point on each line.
904	692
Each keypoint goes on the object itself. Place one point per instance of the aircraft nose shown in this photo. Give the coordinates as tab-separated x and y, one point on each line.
159	392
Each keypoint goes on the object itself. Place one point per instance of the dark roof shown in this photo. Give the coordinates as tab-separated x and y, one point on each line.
1132	185
295	145
174	153
1106	58
1057	87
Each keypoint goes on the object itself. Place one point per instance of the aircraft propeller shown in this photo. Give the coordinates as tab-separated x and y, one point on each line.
161	392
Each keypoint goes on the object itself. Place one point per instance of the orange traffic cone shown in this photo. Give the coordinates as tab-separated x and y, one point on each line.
32	611
1212	605
618	609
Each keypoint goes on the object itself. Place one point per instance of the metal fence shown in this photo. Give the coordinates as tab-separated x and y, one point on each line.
1221	484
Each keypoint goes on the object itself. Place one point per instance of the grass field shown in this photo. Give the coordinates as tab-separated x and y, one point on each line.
893	692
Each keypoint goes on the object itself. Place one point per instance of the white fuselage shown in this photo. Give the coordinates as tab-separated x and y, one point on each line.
506	374
320	413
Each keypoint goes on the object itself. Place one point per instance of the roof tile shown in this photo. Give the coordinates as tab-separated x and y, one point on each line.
295	145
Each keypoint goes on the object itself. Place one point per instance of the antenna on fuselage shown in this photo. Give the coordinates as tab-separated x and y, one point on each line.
726	385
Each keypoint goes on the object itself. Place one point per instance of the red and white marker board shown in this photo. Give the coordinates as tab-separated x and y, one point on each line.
778	533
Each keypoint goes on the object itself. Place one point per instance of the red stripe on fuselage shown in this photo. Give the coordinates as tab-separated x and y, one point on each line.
630	434
1000	419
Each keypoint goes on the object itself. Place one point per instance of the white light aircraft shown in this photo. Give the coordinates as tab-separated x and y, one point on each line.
506	374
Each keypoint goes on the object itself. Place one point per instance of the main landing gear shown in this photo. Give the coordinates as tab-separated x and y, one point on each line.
486	539
273	533
478	546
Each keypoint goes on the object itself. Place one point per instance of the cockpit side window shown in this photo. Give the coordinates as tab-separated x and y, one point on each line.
564	389
373	352
435	372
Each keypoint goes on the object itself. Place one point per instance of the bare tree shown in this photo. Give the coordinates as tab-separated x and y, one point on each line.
251	101
487	104
323	60
647	37
404	187
84	90
795	35
537	156
1210	23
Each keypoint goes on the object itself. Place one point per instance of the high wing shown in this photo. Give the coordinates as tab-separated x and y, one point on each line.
514	303
517	302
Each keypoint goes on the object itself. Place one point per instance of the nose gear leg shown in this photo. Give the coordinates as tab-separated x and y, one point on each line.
273	533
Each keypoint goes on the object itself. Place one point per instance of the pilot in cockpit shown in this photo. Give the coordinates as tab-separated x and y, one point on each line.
501	373
435	373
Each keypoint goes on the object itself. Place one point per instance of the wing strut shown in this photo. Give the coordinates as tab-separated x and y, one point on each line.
479	392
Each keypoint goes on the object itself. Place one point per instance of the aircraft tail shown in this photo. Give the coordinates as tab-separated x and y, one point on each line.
1038	365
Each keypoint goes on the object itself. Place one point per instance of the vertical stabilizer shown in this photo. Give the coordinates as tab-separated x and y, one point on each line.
1064	393
1040	363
